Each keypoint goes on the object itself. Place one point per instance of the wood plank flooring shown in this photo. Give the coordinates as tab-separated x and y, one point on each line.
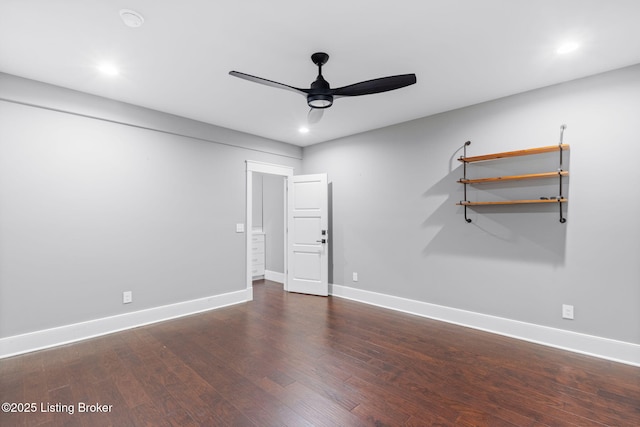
297	360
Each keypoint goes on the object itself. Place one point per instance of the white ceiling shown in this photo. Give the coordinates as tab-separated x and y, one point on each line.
462	51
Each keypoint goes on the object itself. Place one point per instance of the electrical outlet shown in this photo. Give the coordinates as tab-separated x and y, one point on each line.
127	297
240	228
355	277
567	311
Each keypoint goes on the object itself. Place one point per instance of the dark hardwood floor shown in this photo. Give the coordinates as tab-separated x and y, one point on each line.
297	360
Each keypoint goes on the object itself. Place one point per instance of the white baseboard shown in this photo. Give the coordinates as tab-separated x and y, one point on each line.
604	348
274	276
19	344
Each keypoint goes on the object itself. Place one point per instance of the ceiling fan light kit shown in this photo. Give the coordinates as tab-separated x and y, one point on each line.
320	101
321	96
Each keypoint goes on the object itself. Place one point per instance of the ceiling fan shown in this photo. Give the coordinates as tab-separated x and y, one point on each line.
320	96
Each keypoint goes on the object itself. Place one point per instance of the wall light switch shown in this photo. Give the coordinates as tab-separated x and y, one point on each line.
239	228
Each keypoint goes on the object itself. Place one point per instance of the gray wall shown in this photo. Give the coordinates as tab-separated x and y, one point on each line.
395	222
100	197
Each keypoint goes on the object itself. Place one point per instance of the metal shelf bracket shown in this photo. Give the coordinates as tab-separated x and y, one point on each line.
464	169
562	218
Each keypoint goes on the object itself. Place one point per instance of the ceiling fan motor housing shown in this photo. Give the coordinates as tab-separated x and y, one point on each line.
319	95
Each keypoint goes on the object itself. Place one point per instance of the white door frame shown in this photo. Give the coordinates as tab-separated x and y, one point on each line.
271	169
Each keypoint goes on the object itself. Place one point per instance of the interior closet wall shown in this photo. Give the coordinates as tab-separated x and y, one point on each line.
258	208
273	220
268	216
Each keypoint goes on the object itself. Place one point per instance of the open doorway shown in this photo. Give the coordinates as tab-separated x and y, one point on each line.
268	227
305	227
259	173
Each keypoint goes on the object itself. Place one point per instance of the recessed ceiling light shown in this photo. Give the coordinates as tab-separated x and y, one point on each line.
131	18
108	69
567	48
303	129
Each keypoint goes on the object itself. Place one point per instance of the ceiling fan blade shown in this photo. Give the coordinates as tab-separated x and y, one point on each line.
267	82
314	115
382	84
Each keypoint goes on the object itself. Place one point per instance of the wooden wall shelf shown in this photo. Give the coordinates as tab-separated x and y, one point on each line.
505	154
559	174
511	202
514	177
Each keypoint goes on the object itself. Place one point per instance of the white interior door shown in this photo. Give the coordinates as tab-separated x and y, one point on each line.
307	220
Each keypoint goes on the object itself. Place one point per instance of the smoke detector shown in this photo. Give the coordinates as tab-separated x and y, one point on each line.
131	18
